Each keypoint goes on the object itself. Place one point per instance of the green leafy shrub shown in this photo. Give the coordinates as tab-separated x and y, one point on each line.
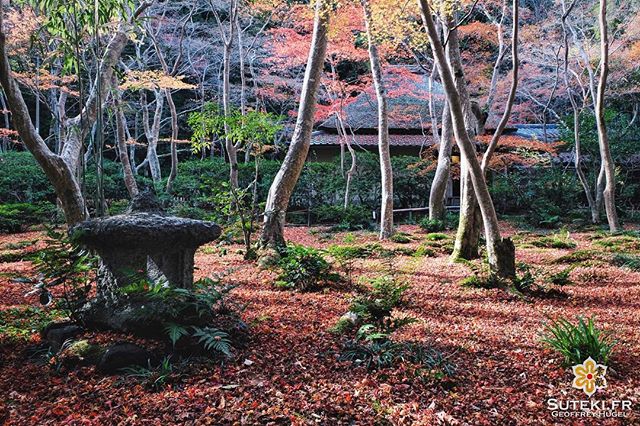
385	353
577	342
619	243
372	345
436	236
432	225
303	268
581	257
401	238
629	261
527	282
16	217
350	219
560	240
22	180
561	278
376	304
424	251
18	324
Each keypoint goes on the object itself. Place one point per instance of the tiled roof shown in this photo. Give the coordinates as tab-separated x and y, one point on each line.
330	139
407	99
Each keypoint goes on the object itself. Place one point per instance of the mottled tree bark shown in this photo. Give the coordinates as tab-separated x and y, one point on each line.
437	208
386	173
287	177
469	224
500	252
609	192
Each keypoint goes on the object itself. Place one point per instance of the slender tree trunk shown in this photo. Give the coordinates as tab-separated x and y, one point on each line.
152	133
174	144
287	177
496	66
352	169
60	174
77	128
512	91
609	192
437	207
577	160
386	173
500	252
227	40
121	133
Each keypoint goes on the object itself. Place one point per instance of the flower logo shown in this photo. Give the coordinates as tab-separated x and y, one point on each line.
589	376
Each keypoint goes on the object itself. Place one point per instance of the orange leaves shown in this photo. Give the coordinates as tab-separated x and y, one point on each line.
20	25
42	79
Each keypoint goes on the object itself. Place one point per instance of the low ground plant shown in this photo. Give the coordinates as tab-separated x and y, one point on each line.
304	269
578	341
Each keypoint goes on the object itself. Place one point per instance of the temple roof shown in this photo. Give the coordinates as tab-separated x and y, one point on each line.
408	103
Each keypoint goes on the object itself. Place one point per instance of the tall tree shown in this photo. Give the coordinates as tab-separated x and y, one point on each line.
386	173
500	252
609	192
287	177
469	224
227	42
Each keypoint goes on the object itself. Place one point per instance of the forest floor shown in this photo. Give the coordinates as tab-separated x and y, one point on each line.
289	372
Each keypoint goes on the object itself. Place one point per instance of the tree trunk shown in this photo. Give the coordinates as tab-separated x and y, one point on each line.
437	207
577	160
61	175
469	228
174	137
152	132
496	66
287	177
232	151
77	128
500	252
609	192
386	208
121	133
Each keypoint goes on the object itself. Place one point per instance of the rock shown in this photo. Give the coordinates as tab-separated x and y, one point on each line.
123	355
80	352
55	334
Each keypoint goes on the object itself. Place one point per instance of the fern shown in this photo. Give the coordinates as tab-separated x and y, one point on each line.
213	339
175	332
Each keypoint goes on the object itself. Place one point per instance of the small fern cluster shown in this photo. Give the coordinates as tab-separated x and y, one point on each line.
304	268
186	314
372	346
